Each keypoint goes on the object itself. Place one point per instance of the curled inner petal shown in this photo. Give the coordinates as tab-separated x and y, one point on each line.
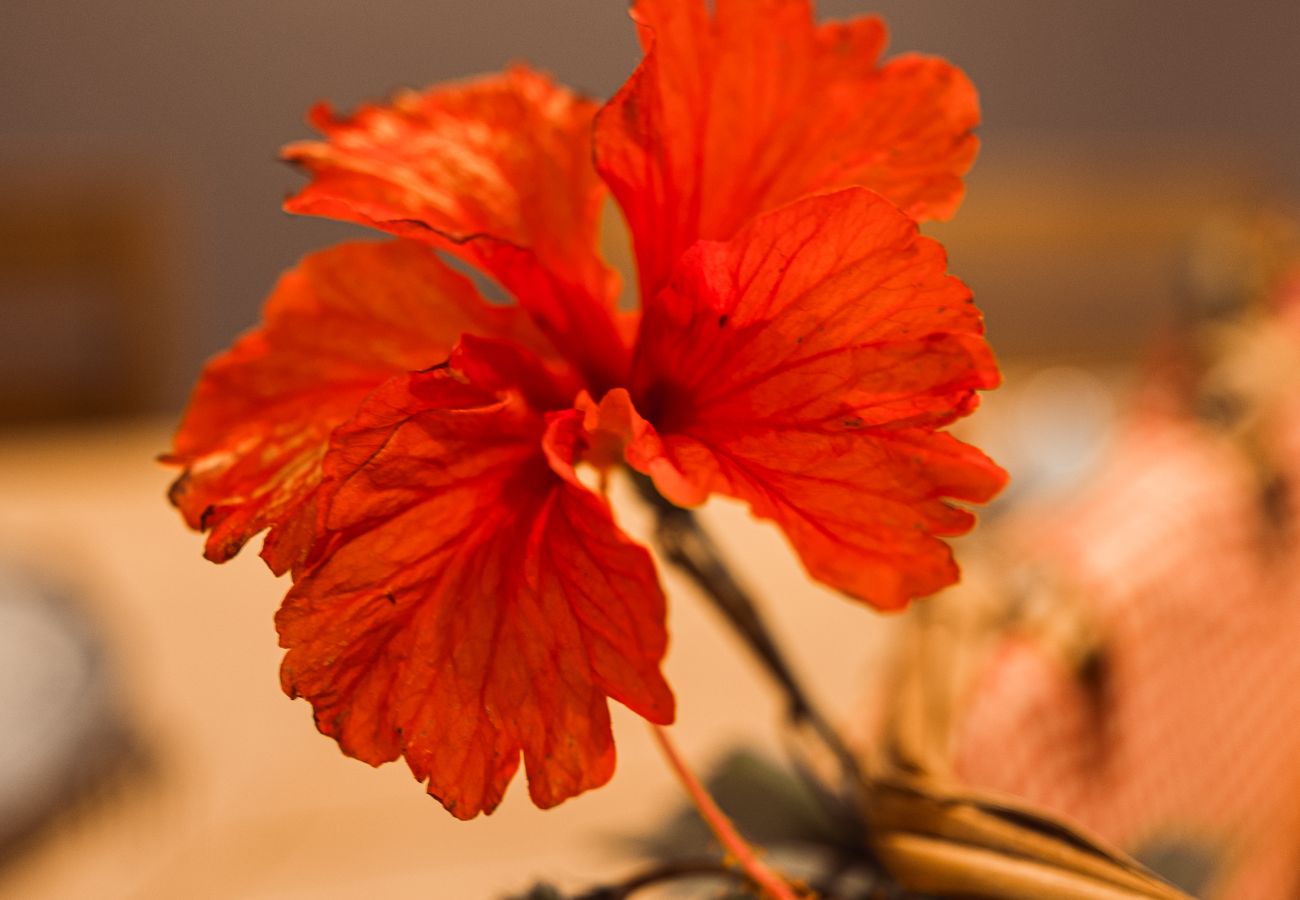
613	429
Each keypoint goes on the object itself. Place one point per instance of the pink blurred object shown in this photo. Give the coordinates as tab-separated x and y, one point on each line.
1130	658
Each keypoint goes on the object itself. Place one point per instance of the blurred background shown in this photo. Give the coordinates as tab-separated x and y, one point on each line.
140	230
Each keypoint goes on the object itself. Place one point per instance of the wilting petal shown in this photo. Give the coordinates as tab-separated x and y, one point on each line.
336	327
474	604
755	107
497	171
804	367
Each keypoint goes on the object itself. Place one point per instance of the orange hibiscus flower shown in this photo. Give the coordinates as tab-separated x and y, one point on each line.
459	597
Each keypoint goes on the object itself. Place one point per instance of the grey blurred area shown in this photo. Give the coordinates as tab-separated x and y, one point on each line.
153	127
66	745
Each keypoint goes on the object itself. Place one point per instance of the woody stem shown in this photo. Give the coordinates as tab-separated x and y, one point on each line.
771	884
686	545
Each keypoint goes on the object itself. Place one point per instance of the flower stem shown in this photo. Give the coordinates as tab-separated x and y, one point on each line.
769	882
685	545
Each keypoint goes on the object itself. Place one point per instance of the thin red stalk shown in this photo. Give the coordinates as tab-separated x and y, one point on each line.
772	884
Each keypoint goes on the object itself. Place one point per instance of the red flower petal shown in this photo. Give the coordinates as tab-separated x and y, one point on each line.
756	107
804	367
335	328
497	171
614	427
473	603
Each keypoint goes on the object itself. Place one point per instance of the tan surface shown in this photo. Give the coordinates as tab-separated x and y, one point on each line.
251	802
